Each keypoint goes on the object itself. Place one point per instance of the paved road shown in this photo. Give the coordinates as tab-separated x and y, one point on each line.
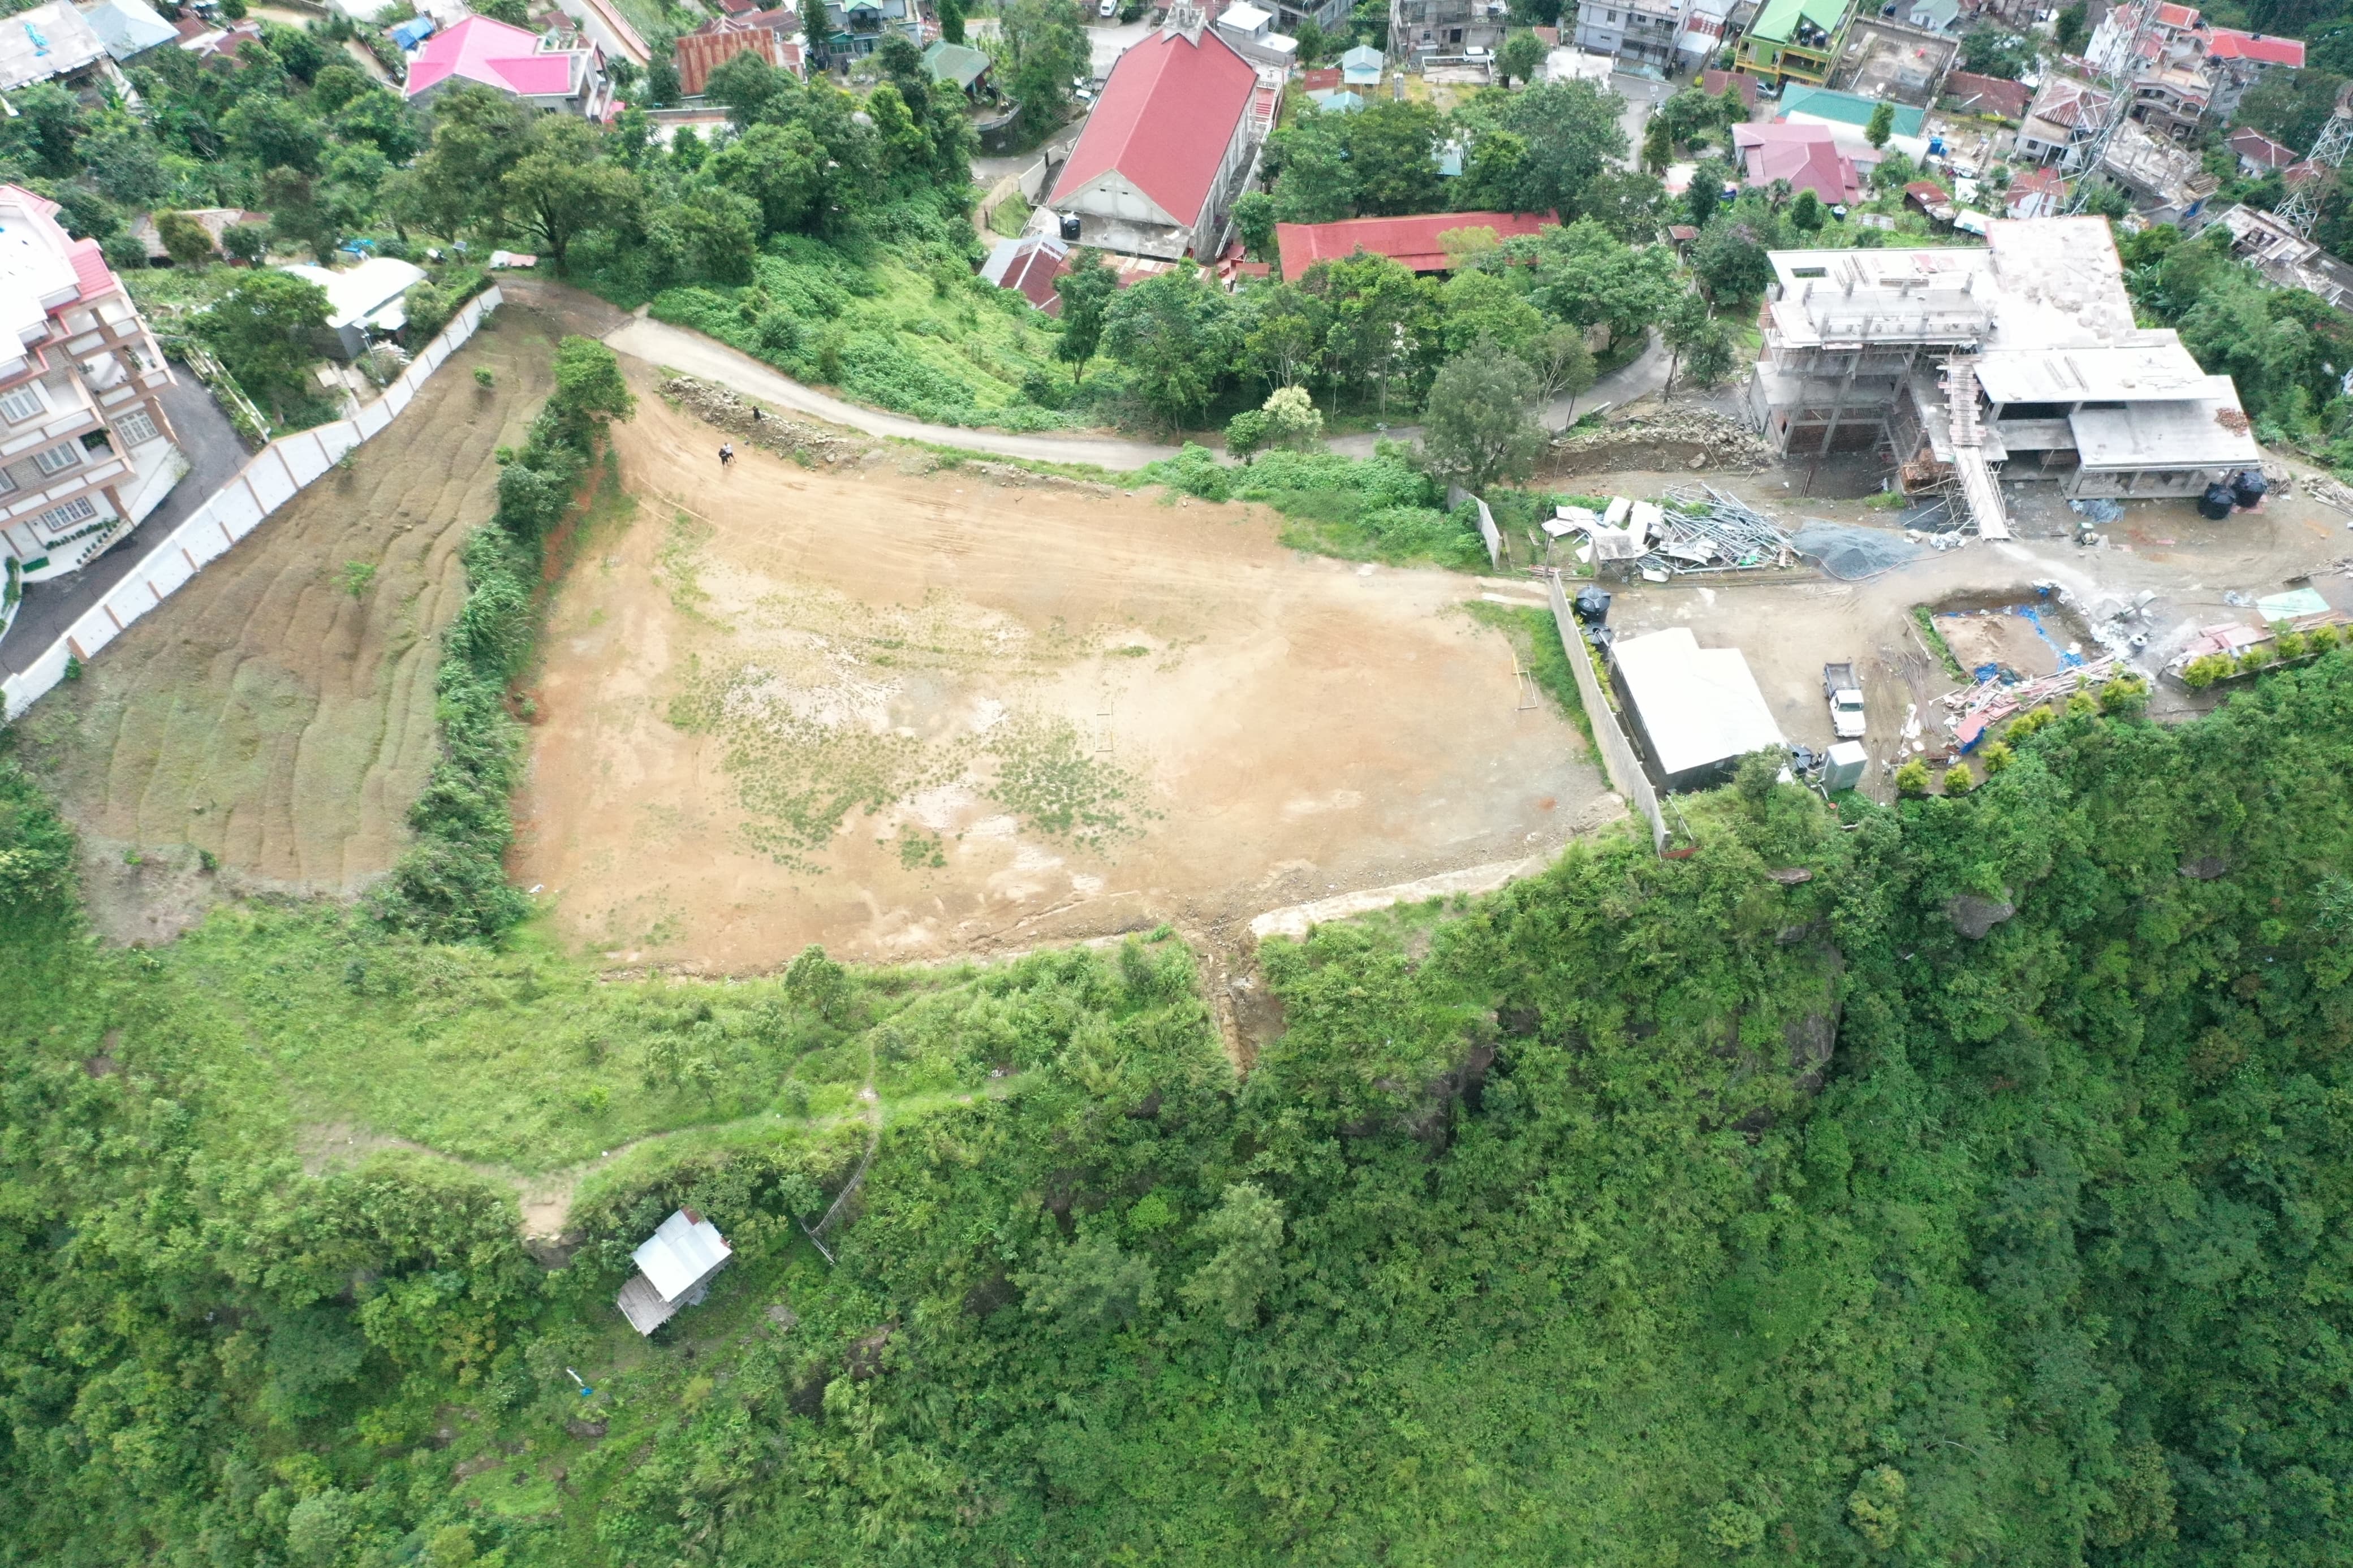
215	456
658	343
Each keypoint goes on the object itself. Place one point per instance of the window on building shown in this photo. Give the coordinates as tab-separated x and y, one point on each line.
136	429
79	510
26	402
59	459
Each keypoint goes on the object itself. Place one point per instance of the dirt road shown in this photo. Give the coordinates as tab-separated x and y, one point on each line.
657	343
911	715
270	716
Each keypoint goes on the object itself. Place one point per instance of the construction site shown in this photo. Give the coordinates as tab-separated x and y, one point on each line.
1959	367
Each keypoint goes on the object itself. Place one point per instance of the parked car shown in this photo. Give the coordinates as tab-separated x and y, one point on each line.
1845	695
1108	9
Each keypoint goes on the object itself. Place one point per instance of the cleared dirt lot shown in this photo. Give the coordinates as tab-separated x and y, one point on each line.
910	715
267	716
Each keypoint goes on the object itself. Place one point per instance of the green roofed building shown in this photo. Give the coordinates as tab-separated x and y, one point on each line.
1820	104
955	65
1796	40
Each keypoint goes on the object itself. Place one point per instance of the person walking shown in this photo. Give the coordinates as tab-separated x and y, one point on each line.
726	453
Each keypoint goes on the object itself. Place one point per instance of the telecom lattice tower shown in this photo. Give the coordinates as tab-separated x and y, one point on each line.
2120	77
2302	207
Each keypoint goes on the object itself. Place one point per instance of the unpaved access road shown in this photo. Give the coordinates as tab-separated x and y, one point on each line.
267	715
914	715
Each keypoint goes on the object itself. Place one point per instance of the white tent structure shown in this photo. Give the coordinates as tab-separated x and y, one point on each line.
674	1270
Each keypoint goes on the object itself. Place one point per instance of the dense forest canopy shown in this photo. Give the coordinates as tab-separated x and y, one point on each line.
1646	1211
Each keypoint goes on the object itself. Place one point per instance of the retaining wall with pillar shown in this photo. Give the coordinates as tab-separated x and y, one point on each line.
277	473
1618	758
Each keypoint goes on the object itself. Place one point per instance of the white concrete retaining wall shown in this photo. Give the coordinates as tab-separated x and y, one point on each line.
277	474
1618	758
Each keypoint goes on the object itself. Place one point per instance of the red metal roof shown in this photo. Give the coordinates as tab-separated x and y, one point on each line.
1713	82
90	270
1030	265
2177	15
1987	94
1164	121
2229	43
1805	155
2257	148
1412	240
701	53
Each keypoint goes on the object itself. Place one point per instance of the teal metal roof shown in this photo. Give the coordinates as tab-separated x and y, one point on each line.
956	63
1778	23
1846	109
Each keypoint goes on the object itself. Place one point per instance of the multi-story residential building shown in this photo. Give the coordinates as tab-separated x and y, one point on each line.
1796	40
85	447
2186	67
1420	30
1641	31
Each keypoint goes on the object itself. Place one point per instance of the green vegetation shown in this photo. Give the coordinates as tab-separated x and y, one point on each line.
451	883
1381	508
1650	1209
1934	640
1537	639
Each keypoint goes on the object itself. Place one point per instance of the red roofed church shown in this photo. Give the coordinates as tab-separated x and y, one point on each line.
1412	240
1168	146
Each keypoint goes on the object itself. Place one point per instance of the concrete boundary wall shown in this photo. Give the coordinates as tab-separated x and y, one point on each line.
1455	496
277	473
1618	758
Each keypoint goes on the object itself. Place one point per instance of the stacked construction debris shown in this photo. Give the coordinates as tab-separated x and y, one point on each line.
1702	530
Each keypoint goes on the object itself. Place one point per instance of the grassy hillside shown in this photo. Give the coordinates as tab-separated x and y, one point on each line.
1647	1212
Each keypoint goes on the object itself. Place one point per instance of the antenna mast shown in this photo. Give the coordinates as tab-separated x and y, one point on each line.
2302	207
2119	75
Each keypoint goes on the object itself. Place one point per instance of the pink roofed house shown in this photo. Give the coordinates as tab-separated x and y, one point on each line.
547	70
1808	156
1162	156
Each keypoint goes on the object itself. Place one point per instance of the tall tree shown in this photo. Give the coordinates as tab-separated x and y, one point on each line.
1521	56
1392	151
563	186
1049	51
263	330
1882	126
1572	130
1173	332
1478	426
1086	291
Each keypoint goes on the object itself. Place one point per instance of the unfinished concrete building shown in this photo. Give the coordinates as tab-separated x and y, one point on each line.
2018	360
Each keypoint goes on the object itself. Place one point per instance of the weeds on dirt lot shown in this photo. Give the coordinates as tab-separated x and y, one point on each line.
1537	639
1380	508
1925	620
1046	776
451	884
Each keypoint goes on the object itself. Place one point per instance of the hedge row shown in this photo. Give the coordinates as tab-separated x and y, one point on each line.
451	885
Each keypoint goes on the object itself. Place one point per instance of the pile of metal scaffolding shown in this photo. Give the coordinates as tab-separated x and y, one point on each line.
1707	531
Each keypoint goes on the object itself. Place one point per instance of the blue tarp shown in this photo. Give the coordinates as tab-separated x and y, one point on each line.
412	32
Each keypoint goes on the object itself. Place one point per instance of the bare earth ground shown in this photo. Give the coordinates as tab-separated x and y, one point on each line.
267	716
911	715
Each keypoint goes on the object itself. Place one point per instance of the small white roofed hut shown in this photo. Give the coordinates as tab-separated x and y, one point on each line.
1696	710
674	1270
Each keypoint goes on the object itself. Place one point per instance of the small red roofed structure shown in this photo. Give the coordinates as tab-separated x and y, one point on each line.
1412	241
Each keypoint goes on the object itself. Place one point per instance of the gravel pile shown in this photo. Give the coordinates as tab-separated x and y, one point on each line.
1851	554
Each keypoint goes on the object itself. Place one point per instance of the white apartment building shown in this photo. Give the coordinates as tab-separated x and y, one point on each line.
85	447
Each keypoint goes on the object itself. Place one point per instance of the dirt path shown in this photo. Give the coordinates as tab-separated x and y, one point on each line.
657	343
912	716
269	717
